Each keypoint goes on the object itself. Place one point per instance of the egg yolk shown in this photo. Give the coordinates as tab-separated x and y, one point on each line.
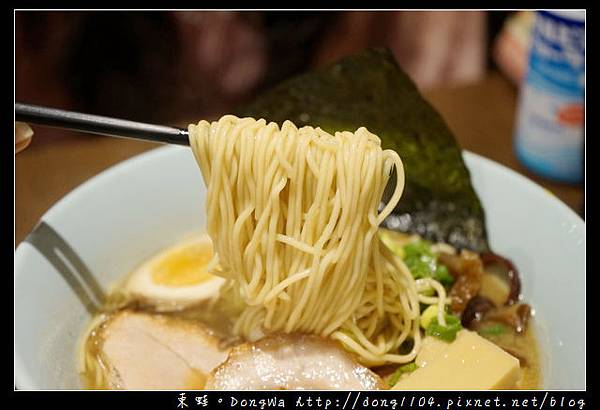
185	266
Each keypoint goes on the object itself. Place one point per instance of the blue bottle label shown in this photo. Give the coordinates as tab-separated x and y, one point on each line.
549	136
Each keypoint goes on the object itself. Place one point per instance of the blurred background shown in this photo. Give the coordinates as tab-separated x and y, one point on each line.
179	67
168	66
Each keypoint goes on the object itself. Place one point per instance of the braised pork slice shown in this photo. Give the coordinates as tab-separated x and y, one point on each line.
292	362
143	351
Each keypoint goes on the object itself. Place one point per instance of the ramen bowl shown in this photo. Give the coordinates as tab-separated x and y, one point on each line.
109	225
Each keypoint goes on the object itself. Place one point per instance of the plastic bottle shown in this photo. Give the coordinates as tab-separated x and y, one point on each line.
549	134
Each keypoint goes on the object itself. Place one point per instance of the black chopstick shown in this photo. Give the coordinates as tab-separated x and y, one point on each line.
96	124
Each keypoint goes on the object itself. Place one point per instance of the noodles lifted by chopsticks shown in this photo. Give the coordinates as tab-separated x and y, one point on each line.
293	214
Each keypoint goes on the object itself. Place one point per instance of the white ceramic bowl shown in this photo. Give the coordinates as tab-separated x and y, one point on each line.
121	217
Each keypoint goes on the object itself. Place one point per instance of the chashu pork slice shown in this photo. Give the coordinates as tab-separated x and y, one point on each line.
141	351
295	361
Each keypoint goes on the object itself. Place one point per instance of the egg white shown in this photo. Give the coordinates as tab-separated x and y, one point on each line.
140	284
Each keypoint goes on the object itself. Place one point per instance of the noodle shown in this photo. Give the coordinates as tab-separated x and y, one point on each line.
293	215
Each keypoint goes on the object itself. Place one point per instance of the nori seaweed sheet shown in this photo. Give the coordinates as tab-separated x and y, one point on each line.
370	89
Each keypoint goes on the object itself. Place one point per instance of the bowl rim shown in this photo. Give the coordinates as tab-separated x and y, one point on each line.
522	179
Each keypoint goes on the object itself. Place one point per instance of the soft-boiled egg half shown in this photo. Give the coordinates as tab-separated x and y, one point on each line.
177	277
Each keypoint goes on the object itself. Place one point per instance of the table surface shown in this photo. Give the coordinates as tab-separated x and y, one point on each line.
480	115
